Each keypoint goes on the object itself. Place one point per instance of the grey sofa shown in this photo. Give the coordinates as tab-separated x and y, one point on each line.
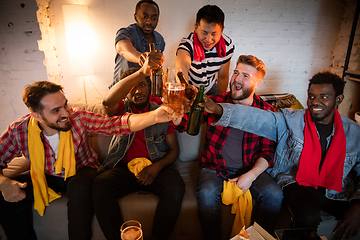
140	206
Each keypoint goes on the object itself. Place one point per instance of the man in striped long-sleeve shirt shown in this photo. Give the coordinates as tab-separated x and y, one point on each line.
51	117
204	56
239	156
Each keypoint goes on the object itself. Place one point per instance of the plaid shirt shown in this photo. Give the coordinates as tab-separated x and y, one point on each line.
14	140
254	146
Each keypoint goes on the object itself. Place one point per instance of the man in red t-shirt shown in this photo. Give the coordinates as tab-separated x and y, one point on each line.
157	143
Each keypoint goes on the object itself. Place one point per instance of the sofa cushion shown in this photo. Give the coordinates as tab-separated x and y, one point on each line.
191	146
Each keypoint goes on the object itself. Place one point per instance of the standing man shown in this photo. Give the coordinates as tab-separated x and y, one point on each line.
317	159
229	151
53	138
204	56
157	145
132	43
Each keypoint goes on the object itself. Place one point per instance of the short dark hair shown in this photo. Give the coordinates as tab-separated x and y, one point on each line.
211	14
252	61
33	94
128	72
327	77
138	5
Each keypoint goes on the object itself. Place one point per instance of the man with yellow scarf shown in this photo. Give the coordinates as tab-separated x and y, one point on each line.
53	138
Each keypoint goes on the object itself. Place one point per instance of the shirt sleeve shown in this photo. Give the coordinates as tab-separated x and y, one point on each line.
187	45
8	146
122	34
103	124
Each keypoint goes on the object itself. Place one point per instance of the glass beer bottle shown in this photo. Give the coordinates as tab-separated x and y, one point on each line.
189	91
196	113
157	77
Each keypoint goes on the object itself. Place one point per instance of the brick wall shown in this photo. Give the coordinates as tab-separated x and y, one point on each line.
294	38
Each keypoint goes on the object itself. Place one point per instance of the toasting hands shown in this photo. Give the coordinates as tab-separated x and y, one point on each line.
211	106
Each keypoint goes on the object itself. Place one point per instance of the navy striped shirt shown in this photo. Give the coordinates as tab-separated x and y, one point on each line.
204	72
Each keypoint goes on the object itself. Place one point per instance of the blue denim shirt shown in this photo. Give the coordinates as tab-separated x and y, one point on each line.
133	33
287	129
155	142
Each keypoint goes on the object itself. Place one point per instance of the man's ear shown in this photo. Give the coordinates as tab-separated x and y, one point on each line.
37	116
339	99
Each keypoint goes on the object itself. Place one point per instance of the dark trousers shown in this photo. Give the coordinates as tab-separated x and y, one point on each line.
306	203
16	218
264	190
119	182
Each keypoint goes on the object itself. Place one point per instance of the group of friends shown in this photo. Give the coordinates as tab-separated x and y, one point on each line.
308	158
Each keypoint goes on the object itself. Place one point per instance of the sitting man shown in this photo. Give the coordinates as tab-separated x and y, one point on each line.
317	159
204	56
132	42
222	157
53	138
157	144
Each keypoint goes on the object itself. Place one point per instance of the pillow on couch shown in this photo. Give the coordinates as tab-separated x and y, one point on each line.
191	146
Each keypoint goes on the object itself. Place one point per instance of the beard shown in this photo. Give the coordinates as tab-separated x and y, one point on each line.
67	127
246	92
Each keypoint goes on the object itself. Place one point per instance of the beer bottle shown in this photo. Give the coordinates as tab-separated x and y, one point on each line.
196	113
189	91
156	76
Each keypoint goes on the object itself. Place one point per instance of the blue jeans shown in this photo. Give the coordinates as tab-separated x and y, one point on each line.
264	190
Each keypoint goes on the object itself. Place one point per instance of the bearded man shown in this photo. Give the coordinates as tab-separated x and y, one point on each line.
238	156
53	138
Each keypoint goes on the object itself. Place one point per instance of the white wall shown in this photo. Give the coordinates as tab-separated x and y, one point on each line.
294	38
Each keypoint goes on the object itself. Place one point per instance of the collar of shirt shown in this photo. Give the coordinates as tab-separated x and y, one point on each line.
135	110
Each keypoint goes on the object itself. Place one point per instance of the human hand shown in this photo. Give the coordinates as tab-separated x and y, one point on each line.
350	222
211	106
12	190
150	60
244	181
148	174
189	101
165	113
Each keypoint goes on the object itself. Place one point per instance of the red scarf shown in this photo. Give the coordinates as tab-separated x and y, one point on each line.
331	172
199	53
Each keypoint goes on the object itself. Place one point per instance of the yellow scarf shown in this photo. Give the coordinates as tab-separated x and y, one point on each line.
241	205
137	164
66	159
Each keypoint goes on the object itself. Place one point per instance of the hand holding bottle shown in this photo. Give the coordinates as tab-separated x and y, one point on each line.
211	107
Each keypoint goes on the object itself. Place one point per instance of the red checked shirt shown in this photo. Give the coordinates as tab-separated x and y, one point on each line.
254	146
15	139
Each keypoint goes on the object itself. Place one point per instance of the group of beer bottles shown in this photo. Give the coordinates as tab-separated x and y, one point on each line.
196	111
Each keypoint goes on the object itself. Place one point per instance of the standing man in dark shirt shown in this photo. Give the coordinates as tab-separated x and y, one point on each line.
132	42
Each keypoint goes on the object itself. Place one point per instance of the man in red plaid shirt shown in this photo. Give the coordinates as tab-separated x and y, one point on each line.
51	117
236	155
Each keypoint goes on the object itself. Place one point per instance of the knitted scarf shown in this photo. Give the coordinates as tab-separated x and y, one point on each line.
331	172
199	53
43	195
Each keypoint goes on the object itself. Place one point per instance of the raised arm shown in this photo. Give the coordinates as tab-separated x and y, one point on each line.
125	48
183	61
140	121
223	79
119	91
